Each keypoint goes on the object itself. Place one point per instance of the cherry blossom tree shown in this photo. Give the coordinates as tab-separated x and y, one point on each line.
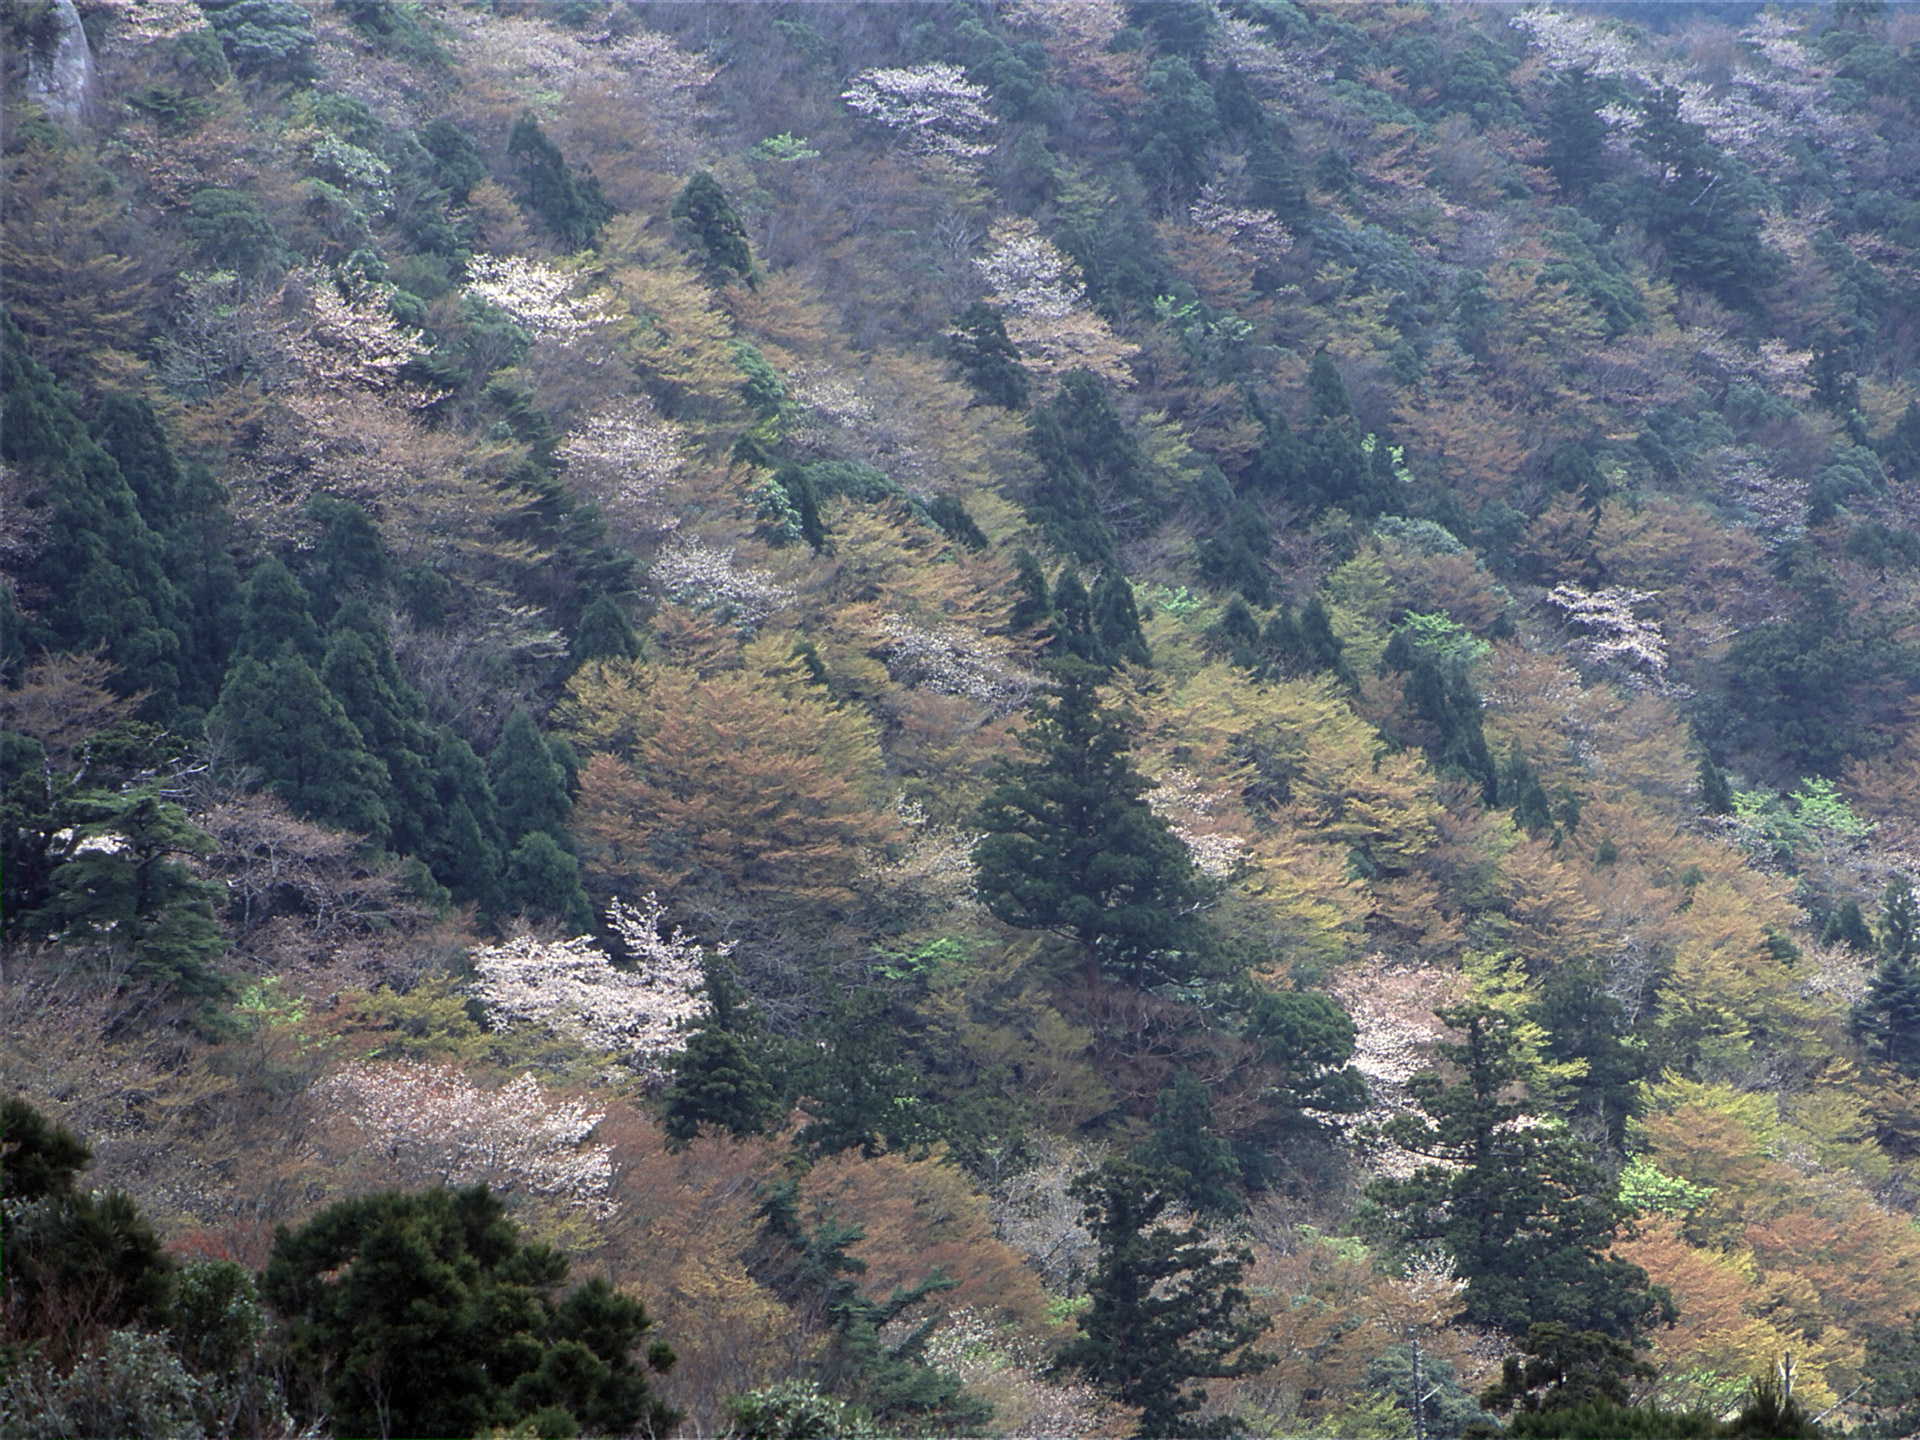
571	987
934	108
432	1125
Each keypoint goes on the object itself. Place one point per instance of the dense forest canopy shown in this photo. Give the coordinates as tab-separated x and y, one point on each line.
1001	717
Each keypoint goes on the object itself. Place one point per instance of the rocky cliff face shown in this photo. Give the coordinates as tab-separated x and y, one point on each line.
63	79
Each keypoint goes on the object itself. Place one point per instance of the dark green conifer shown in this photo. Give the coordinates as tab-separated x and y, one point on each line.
1183	1142
718	1080
988	360
604	633
278	611
425	1314
529	785
1032	605
718	233
282	719
126	884
543	879
1116	622
99	575
360	672
571	207
1716	795
1167	1307
1070	845
465	852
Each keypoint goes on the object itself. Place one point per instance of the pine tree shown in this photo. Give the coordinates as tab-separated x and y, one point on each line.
1032	604
350	558
717	230
718	1081
1070	845
426	1315
126	884
1166	1306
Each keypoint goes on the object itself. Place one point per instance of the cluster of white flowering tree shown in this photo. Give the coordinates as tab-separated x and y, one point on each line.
541	299
1612	633
420	1124
571	987
697	575
934	108
953	661
1040	291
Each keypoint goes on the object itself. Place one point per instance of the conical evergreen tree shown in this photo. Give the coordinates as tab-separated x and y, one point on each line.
1166	1306
543	879
361	674
604	633
1032	605
717	230
278	612
1184	1143
1070	845
988	360
571	207
1887	1019
719	1081
281	718
529	785
1116	622
350	559
100	576
465	851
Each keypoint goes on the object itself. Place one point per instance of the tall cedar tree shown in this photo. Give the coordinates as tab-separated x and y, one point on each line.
1887	1019
718	1080
425	1315
717	231
570	206
99	575
1166	1306
1070	845
1526	1214
989	361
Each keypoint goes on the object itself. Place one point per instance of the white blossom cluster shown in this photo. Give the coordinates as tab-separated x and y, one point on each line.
1578	42
436	1127
695	574
628	449
571	986
933	106
952	661
1045	302
537	297
1028	274
1258	232
340	341
1777	503
829	402
1186	805
1614	634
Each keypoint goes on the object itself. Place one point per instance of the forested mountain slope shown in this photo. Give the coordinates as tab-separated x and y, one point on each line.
904	667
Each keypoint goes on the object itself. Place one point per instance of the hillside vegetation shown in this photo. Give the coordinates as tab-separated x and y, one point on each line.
1054	716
